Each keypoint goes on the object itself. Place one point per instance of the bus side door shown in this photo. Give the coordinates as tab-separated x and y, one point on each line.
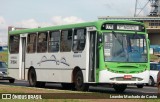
92	55
22	56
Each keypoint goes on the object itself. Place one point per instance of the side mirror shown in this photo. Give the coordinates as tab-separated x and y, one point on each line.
99	38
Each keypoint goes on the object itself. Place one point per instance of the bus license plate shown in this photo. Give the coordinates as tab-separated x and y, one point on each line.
128	77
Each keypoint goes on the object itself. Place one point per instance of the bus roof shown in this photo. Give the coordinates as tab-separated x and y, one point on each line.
97	24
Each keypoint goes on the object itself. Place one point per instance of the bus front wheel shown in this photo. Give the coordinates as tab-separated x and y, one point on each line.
79	82
140	86
119	87
32	78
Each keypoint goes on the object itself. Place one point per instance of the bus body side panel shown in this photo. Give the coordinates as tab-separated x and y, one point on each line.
56	67
13	65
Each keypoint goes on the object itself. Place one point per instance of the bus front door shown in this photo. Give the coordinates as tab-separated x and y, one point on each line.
22	57
92	56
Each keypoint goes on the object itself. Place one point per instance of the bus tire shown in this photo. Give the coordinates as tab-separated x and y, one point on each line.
119	87
32	78
151	81
140	86
11	80
79	82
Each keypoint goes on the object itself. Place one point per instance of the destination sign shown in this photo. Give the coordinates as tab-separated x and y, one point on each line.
109	26
127	27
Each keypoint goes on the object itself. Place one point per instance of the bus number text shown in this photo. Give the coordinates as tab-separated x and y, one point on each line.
13	62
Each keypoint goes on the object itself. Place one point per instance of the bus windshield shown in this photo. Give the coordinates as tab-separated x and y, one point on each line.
125	47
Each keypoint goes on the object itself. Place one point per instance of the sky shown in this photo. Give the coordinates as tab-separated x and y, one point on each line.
40	13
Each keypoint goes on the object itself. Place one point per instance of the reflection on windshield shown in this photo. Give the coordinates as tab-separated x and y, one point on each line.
120	47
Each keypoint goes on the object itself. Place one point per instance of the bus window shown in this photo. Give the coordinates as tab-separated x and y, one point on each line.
53	45
42	42
158	67
14	44
66	41
31	43
79	39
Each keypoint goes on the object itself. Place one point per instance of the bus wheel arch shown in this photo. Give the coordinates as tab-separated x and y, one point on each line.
78	80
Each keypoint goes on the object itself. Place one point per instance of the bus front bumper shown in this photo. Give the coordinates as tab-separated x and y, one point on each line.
106	76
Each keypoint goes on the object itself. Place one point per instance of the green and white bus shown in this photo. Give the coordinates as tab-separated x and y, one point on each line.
80	55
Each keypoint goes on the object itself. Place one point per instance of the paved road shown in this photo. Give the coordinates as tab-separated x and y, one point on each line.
130	89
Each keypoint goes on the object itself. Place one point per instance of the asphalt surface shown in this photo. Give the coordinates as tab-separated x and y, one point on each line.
102	89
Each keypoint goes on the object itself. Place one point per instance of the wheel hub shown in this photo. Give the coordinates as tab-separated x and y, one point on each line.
79	81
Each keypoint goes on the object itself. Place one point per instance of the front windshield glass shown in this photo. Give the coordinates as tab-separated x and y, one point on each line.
121	47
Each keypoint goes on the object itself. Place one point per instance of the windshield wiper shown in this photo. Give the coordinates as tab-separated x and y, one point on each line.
117	38
114	34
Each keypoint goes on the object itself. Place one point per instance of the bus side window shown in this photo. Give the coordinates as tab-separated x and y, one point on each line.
42	42
158	67
151	66
14	44
31	43
79	39
66	41
53	44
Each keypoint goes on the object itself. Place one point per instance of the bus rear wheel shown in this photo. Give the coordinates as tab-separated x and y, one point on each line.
32	78
79	82
11	80
119	87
